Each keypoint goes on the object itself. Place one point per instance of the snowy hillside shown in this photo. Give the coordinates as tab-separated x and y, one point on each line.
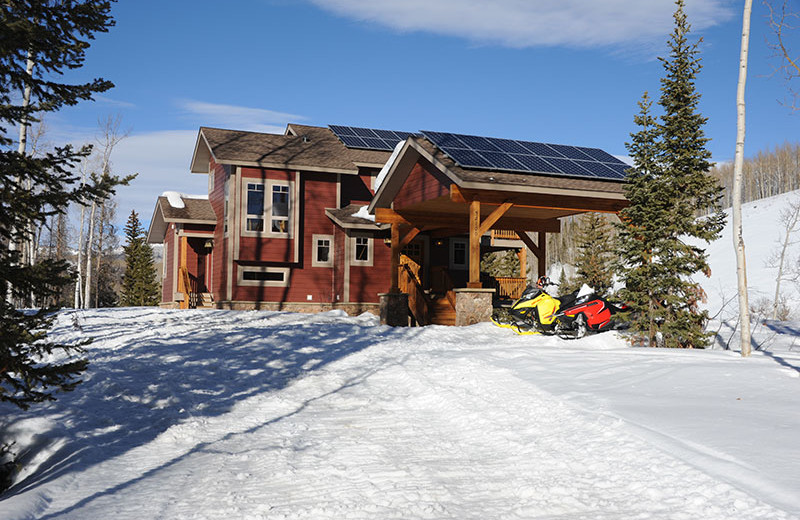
260	415
763	234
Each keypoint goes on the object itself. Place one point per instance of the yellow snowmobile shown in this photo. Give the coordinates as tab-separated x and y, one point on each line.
535	311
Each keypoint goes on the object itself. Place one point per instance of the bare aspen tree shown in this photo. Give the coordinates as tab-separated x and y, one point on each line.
790	219
111	136
781	21
738	162
78	297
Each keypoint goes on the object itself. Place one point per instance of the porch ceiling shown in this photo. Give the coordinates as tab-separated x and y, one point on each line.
528	211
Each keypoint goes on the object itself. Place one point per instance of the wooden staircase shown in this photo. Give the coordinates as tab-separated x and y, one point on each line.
205	300
426	308
442	312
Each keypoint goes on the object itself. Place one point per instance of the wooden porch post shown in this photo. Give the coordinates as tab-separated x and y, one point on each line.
539	251
523	262
182	270
541	266
474	245
395	258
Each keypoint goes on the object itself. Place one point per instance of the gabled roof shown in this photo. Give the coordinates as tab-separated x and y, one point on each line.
307	148
347	218
195	211
416	148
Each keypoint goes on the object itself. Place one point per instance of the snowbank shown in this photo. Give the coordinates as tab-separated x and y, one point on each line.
225	414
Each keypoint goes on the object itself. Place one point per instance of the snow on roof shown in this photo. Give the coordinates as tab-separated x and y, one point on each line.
387	166
362	213
175	198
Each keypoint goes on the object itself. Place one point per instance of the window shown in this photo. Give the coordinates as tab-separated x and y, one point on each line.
458	253
268	208
263	276
280	209
255	207
323	251
362	250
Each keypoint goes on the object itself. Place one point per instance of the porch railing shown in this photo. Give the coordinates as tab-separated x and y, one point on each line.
417	302
504	234
509	287
188	285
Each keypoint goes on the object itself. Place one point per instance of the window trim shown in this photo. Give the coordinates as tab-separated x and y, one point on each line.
267	215
458	266
370	250
315	246
262	269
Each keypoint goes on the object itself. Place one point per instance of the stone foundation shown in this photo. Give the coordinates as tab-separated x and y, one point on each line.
473	306
352	309
394	309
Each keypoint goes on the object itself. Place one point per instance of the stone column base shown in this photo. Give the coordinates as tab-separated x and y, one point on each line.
394	309
473	306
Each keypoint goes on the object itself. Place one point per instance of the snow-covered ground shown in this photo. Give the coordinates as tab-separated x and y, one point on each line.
225	414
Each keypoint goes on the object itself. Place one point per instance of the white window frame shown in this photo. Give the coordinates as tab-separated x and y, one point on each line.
458	266
240	280
267	216
354	243
315	242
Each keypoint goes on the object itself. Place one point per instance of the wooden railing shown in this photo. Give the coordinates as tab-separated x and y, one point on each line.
417	301
504	234
188	285
508	287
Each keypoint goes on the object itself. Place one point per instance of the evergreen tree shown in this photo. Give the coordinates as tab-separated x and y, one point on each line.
595	262
40	40
139	285
670	185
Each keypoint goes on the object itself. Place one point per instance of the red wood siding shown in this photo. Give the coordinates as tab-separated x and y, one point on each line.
317	192
356	189
423	183
339	240
367	282
169	262
265	249
199	229
219	255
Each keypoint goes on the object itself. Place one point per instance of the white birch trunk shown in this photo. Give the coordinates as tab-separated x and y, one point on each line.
738	162
23	140
792	216
79	261
87	292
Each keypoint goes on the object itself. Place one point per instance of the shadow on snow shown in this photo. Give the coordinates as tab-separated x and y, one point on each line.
186	366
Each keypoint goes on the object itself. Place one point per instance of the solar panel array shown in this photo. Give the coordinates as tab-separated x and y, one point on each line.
368	138
488	153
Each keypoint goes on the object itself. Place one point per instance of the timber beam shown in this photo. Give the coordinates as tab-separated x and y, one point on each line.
538	250
540	200
460	223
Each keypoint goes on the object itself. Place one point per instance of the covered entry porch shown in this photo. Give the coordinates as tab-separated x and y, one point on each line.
427	194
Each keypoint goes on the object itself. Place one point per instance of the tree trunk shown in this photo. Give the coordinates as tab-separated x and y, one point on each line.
738	241
87	292
79	261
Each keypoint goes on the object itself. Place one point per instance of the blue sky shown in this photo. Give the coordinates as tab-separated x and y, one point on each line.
559	71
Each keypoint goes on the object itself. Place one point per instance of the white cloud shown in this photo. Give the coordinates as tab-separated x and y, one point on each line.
161	160
531	23
237	117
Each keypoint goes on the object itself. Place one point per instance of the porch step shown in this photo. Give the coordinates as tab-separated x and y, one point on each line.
205	301
442	313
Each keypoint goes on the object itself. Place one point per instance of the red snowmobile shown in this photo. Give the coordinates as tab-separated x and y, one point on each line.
588	313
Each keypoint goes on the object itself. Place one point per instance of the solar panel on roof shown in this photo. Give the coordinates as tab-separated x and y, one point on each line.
369	138
488	153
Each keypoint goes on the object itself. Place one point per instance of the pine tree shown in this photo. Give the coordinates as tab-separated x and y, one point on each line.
139	285
670	184
40	40
595	261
